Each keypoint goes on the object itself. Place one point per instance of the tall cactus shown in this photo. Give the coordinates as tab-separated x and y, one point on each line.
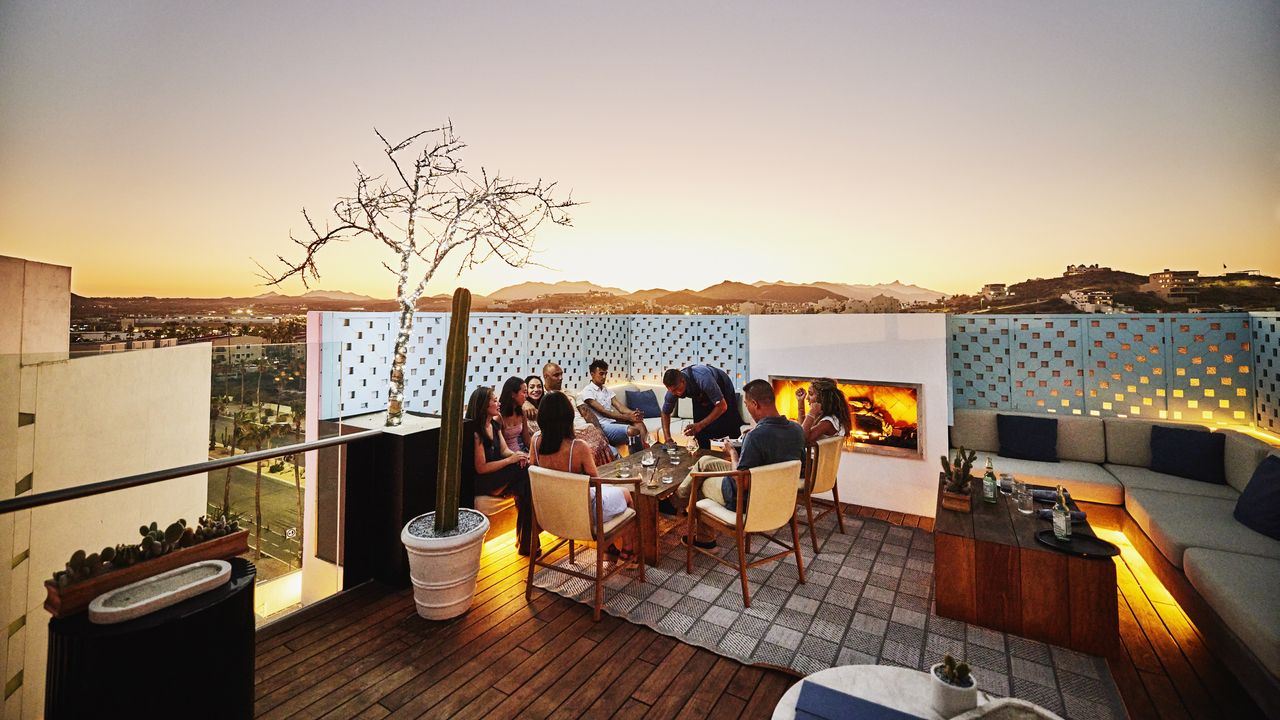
449	468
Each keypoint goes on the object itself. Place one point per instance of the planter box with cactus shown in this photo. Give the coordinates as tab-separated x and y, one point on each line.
957	481
87	576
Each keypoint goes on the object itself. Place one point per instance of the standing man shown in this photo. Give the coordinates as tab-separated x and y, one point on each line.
619	422
774	439
715	406
601	450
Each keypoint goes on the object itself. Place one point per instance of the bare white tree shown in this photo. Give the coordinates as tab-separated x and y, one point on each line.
427	207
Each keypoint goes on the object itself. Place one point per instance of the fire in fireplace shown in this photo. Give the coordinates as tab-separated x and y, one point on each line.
885	416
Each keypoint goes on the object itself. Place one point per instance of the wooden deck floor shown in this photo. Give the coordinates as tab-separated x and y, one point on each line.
366	654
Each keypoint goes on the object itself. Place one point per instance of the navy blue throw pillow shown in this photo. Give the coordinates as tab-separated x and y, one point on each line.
1028	438
1192	454
1259	505
644	401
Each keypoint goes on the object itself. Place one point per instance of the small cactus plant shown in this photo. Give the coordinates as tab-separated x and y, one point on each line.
955	673
956	473
154	543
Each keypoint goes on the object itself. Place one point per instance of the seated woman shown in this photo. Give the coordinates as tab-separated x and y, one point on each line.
534	383
500	471
556	448
828	413
515	429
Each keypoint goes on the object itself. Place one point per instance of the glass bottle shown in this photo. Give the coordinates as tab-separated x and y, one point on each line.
1061	517
989	484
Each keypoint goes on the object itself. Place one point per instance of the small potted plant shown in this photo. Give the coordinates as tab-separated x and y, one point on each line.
956	480
955	690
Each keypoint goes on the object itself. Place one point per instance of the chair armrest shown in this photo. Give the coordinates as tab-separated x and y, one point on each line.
598	481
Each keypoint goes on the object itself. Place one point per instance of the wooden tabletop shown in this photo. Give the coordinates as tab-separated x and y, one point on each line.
678	471
1001	523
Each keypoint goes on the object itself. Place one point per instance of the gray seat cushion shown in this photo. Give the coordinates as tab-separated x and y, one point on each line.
1241	456
1085	481
1079	438
1136	477
1129	440
1177	521
1242	590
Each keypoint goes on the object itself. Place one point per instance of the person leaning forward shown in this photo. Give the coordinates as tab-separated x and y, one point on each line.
715	407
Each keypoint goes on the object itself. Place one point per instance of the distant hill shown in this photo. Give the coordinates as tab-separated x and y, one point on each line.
686	297
646	295
729	291
794	294
530	290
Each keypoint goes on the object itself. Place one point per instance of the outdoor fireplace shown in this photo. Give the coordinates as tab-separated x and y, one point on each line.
885	416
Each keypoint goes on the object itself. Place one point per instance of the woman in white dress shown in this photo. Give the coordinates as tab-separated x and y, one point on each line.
828	412
556	448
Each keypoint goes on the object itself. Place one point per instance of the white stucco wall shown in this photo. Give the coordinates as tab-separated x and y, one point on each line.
906	348
99	418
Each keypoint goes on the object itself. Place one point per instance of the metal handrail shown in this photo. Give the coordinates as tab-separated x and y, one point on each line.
27	502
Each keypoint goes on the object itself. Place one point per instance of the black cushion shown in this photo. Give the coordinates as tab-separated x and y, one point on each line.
1259	505
1192	454
1028	438
645	401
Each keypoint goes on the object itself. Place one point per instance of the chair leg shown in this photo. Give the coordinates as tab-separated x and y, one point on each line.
599	584
742	567
689	538
640	548
835	494
795	543
571	559
813	530
528	589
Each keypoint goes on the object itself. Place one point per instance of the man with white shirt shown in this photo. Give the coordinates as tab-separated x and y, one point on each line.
601	450
619	422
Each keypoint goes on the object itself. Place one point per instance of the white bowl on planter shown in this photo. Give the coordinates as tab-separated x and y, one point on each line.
949	700
443	569
158	591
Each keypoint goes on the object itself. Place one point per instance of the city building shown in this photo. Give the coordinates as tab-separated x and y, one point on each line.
1177	286
1082	269
237	348
995	290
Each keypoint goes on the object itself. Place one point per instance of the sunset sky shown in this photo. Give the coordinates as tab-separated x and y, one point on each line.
159	148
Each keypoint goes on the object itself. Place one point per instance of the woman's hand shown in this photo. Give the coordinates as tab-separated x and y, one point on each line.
801	393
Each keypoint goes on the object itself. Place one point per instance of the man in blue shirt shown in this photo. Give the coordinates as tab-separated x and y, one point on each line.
774	439
715	406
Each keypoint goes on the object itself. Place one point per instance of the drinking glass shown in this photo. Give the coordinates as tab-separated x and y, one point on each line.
650	479
624	472
1022	497
1006	484
668	477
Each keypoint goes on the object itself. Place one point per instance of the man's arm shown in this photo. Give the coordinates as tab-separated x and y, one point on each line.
628	415
604	412
720	408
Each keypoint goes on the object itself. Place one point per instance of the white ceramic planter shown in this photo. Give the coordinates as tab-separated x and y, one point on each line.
443	570
949	700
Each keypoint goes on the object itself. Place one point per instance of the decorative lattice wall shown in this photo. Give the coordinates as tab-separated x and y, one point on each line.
356	352
1190	367
1266	364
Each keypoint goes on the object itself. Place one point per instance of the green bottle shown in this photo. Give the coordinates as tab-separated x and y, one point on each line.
989	485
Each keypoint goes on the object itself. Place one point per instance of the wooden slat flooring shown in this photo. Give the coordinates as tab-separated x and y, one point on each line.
366	654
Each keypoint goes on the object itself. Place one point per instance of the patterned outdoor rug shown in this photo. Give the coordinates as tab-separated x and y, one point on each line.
867	600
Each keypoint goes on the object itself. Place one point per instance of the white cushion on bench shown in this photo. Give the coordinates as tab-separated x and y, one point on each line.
1176	522
1242	589
1085	481
1136	477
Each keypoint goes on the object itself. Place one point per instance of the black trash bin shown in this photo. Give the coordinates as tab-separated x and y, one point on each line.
191	660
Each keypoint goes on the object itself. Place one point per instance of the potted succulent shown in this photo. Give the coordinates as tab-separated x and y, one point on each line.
88	575
444	545
955	690
956	479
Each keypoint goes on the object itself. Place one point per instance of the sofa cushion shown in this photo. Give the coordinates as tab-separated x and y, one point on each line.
1028	438
1135	477
1177	521
1259	505
1242	590
1085	481
1241	456
1188	453
975	430
643	400
1079	438
1129	441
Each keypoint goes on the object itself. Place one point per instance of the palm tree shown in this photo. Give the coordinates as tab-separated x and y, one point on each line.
299	418
238	420
259	435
